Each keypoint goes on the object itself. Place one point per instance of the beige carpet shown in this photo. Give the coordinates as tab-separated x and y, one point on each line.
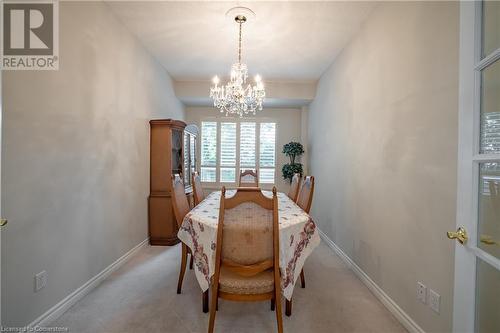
141	297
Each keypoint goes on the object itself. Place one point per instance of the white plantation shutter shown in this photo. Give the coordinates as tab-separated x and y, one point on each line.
208	143
227	175
228	152
267	144
208	151
208	174
228	144
267	155
266	176
235	148
247	145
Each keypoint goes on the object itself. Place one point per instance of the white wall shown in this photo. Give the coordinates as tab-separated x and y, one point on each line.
288	122
383	138
75	164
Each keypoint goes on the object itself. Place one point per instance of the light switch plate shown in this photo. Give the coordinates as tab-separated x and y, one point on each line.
40	280
434	300
421	292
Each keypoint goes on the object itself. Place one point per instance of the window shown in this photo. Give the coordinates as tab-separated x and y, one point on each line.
228	152
267	152
208	151
247	145
241	145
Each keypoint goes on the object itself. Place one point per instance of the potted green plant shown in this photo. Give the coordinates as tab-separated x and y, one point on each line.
292	150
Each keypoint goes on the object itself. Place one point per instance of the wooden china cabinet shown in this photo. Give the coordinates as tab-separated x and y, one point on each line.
166	158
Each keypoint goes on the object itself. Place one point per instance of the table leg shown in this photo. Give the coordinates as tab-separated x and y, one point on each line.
205	301
288	309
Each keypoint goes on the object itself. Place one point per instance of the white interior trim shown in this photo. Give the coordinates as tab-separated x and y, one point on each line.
388	302
57	310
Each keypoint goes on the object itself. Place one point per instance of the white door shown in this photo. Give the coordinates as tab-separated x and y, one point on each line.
477	260
2	221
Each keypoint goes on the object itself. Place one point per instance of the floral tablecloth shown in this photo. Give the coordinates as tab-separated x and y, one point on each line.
298	238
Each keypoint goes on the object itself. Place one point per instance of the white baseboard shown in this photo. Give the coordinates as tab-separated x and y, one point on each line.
388	302
57	310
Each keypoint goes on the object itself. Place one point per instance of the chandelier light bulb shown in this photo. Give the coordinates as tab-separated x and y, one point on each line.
258	78
216	80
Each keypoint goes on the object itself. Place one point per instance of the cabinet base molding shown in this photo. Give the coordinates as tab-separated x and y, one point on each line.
164	241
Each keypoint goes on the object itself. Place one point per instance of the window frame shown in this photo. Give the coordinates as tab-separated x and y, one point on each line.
257	157
199	152
217	184
219	166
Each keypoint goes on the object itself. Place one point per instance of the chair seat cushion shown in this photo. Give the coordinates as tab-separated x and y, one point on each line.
233	283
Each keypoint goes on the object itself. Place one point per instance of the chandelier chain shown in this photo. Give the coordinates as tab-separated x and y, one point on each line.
239	46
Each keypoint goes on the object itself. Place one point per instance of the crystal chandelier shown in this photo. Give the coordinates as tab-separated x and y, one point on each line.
238	97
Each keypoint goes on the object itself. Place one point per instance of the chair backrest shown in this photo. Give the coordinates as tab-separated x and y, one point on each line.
249	178
304	200
294	187
247	235
197	189
180	202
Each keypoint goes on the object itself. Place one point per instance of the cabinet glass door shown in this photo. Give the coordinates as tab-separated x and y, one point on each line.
192	152
177	161
187	154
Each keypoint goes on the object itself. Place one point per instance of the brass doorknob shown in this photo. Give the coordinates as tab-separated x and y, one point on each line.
460	235
3	222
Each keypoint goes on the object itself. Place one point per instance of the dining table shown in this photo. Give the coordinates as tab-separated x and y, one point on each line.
298	236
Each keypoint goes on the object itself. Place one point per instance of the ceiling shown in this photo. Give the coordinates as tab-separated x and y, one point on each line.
286	41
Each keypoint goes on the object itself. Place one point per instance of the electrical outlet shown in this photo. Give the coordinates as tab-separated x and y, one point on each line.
421	292
40	280
434	300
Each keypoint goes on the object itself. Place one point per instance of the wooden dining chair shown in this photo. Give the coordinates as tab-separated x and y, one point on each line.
294	187
247	251
197	189
249	178
304	201
181	207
